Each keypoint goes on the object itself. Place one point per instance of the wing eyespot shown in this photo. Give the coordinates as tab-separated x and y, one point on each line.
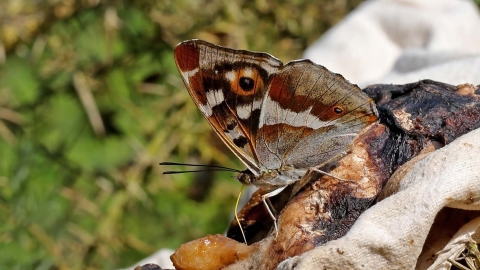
338	110
245	81
247	84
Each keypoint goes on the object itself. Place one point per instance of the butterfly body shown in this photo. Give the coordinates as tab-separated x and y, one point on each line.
280	120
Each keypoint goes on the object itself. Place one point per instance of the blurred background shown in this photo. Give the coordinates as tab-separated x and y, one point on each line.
91	102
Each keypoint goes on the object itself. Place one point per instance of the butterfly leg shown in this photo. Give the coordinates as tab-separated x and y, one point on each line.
308	176
264	199
328	174
333	176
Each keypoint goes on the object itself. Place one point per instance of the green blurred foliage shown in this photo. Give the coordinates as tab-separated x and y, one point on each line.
91	102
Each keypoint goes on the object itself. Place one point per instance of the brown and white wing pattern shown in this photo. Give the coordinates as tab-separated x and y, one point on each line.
273	116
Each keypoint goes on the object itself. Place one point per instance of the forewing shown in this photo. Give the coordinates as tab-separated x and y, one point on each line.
228	86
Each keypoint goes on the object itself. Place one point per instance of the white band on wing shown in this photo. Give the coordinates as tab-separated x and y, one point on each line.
278	115
244	111
214	98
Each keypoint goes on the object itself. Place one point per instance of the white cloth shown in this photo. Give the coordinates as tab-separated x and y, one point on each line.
402	41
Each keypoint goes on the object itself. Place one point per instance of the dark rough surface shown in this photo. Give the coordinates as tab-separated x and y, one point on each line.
436	111
344	209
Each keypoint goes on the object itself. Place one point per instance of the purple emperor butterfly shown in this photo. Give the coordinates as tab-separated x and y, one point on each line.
280	120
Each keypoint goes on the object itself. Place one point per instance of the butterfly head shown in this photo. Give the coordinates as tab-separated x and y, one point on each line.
246	177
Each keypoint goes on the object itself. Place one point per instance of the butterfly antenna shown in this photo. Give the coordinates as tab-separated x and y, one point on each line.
236	215
207	168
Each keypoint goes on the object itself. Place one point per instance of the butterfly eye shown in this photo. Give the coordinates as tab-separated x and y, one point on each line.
244	179
337	110
246	83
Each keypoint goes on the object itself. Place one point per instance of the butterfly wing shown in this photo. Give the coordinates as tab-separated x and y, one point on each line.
310	116
228	86
272	115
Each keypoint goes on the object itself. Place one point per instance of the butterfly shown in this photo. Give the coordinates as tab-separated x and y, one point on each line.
279	119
